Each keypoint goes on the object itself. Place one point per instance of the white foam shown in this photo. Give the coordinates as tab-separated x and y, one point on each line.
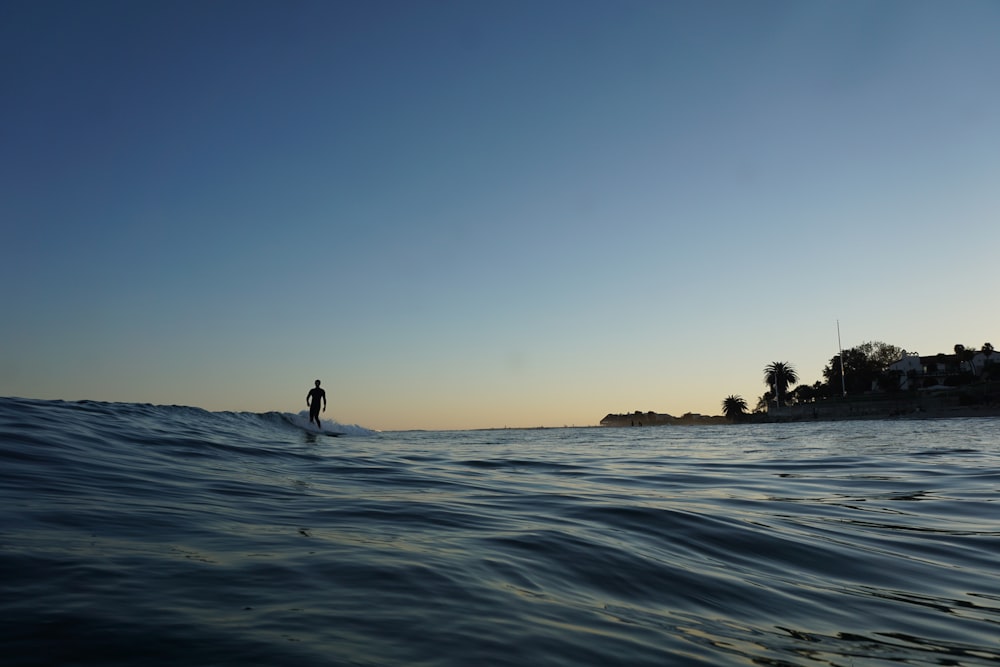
329	425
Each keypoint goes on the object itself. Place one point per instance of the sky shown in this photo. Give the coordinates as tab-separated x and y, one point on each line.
488	214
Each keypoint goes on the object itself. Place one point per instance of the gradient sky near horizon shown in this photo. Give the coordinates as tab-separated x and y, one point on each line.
485	214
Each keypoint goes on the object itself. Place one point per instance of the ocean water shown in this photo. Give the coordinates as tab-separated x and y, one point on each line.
145	535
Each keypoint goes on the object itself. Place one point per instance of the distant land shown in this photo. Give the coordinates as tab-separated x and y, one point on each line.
873	380
930	405
638	418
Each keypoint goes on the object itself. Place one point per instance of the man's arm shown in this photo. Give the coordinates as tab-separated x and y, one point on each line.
324	401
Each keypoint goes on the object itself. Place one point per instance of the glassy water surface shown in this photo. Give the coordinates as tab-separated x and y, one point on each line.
136	534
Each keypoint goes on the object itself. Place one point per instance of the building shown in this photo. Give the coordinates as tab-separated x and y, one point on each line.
942	370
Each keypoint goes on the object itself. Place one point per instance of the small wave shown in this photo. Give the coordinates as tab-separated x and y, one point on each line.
330	426
236	538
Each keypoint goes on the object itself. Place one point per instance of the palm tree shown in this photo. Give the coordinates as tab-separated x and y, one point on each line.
988	364
734	407
780	374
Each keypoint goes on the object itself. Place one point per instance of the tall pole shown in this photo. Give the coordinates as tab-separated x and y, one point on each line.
843	383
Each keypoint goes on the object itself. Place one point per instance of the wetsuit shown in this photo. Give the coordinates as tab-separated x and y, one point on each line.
315	396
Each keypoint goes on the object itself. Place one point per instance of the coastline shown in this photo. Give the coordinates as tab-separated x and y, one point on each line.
863	408
957	412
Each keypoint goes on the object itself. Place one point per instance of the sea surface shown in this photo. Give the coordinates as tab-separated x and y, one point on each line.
150	535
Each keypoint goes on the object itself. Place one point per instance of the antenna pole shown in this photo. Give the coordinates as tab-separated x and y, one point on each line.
843	383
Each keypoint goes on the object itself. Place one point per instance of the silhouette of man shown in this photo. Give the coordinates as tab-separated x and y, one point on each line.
312	400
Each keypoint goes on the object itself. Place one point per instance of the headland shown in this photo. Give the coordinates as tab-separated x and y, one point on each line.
974	401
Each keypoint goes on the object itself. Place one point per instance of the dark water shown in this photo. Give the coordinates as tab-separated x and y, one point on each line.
141	535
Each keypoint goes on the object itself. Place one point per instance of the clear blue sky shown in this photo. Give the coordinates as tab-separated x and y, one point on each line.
473	214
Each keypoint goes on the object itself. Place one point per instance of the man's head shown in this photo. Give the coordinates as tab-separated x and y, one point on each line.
317	383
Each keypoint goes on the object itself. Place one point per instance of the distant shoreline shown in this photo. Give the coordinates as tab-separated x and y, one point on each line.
852	410
938	413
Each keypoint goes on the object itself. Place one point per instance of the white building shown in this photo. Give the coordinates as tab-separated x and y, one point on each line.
923	372
909	366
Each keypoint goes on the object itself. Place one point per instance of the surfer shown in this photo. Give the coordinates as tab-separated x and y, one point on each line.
312	400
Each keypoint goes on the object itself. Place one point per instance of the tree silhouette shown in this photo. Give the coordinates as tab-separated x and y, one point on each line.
734	407
862	366
780	374
989	363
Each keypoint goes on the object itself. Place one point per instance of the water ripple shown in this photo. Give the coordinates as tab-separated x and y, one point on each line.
167	536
